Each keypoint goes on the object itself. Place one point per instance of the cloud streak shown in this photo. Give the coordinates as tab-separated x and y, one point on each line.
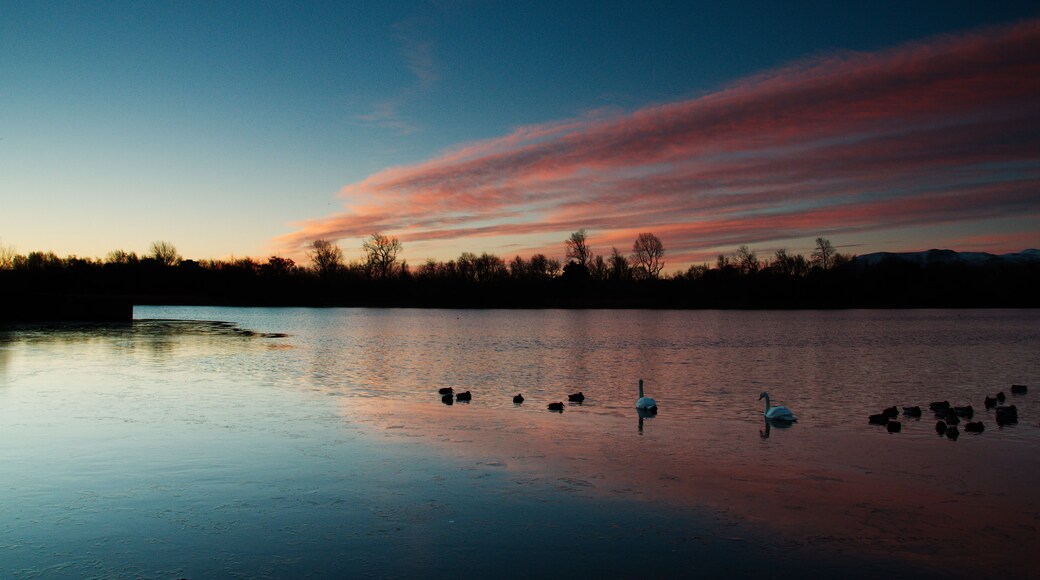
418	55
941	131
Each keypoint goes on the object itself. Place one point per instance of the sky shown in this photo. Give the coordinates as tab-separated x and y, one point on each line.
236	129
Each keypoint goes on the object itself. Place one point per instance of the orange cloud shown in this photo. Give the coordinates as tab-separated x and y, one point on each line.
933	132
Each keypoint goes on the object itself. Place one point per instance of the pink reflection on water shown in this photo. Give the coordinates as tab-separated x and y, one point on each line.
857	491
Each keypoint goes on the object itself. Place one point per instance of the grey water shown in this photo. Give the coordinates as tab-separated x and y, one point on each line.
232	442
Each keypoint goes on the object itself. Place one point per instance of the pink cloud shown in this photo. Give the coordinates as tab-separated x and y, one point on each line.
940	131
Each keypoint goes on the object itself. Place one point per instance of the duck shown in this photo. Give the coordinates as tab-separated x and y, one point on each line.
939	405
448	399
464	396
518	399
894	426
1001	397
967	412
990	402
976	427
912	411
1019	389
878	419
556	407
951	417
1007	415
780	413
940	427
445	390
890	412
646	403
576	397
952	433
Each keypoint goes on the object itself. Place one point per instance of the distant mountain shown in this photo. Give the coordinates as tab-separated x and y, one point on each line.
948	258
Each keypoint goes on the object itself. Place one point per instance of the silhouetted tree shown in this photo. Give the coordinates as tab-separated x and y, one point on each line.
619	266
787	265
543	267
38	261
326	257
164	253
840	259
448	270
277	266
121	257
427	270
747	261
7	255
694	272
466	267
578	249
517	268
598	268
574	272
823	255
648	254
242	265
381	255
488	268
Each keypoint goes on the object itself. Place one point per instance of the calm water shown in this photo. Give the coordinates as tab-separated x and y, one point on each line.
312	442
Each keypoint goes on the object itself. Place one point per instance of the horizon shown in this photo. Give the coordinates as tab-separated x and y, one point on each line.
764	259
502	129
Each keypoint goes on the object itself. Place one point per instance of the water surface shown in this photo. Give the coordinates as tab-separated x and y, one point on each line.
296	442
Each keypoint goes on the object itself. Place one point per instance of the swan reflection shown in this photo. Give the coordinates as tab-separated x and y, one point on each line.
644	414
778	423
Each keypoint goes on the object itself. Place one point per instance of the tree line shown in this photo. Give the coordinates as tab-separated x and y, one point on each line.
380	277
380	261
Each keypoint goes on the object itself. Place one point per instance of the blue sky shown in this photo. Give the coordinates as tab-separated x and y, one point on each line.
227	128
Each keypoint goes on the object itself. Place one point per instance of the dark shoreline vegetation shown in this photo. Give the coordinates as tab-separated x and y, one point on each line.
42	286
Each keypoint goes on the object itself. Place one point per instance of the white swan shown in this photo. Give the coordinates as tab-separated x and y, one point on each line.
776	413
645	403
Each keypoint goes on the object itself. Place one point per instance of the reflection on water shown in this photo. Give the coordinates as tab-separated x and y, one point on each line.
314	441
770	423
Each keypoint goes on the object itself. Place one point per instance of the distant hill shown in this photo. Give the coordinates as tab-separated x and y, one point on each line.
948	258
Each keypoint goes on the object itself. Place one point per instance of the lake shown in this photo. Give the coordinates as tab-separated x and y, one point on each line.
235	442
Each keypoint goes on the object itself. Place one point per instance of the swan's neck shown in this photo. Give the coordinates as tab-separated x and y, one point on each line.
767	403
640	388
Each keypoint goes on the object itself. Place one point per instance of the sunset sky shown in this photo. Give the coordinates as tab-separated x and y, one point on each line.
250	129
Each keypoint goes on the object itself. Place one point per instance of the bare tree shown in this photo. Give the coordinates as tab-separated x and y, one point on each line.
164	253
489	267
553	268
540	266
381	255
788	265
428	269
648	254
466	266
278	266
7	255
578	248
823	255
121	257
694	272
619	268
518	268
326	257
598	268
840	259
747	261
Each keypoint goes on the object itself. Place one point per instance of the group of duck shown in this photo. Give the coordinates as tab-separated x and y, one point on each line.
643	403
949	416
449	397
